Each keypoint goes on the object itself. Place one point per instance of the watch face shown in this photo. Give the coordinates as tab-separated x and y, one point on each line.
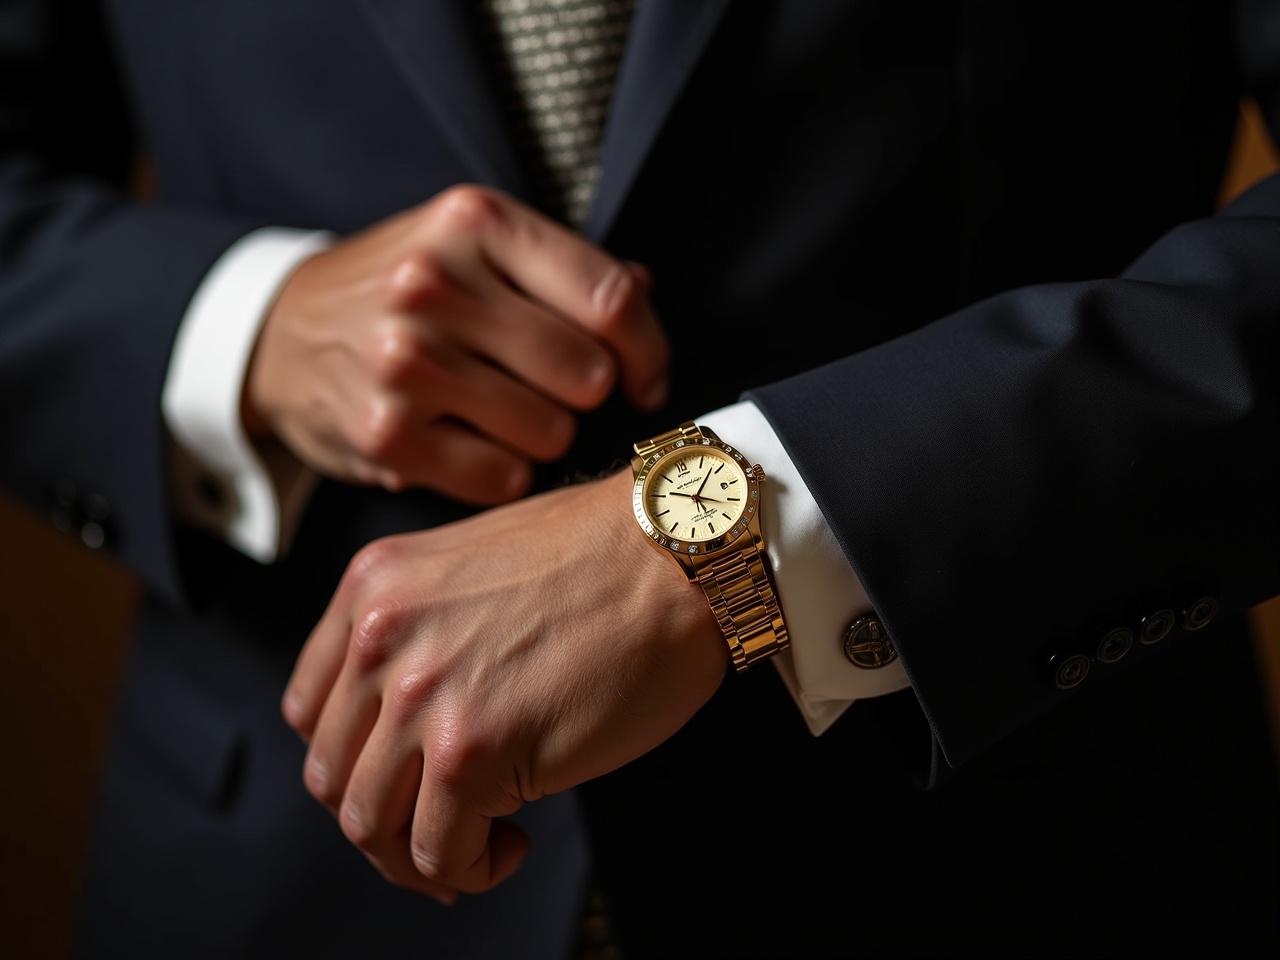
695	496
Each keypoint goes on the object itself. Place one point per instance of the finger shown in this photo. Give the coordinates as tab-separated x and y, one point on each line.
377	810
504	408
576	279
318	666
345	723
461	847
550	353
602	294
454	460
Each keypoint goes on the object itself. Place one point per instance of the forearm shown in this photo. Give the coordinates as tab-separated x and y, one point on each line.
92	289
1018	478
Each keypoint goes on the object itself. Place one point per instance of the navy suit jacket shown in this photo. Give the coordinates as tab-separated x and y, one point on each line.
967	262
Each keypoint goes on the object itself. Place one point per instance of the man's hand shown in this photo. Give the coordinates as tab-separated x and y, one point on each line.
461	672
449	346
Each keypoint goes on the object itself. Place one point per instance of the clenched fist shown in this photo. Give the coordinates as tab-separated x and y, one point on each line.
463	671
450	346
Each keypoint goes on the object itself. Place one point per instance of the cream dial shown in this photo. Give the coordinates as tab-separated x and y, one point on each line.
695	494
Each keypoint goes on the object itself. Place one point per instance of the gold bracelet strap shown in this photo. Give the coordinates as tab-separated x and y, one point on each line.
687	431
742	599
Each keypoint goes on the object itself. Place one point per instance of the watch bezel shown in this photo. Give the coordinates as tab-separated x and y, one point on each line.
685	548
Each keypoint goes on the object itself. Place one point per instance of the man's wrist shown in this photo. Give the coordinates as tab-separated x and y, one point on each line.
654	582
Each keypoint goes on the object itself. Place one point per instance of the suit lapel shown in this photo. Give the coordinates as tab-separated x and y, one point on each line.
665	41
435	45
437	48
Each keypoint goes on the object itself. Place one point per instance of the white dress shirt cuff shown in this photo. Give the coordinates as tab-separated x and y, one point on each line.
819	592
250	497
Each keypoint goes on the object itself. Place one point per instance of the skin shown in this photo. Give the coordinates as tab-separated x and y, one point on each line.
461	672
450	347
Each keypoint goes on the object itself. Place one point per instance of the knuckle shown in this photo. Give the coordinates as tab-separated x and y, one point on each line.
421	277
468	206
425	860
397	353
318	782
555	436
371	559
384	427
357	826
454	752
595	375
501	479
413	691
614	299
377	634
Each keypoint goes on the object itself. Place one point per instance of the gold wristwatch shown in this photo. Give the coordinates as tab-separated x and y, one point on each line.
698	501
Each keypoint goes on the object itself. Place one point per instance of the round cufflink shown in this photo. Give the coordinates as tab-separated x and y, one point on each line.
1156	625
866	645
1068	670
1198	614
1114	645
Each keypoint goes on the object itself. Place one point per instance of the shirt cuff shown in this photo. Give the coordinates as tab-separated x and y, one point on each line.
250	497
819	592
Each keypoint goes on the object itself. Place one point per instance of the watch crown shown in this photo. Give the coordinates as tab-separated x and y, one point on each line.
758	471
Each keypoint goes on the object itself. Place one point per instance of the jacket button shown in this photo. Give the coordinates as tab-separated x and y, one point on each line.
866	645
1068	669
96	528
1157	625
1199	613
1114	645
64	506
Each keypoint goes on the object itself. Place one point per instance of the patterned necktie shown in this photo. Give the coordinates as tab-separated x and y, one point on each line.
557	61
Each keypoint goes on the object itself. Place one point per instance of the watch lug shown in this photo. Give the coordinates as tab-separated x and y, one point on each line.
686	564
636	463
708	432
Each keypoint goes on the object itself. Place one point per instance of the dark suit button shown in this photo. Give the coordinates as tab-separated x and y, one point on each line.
63	499
96	526
1157	625
93	535
97	507
1068	669
64	519
1199	613
1114	645
866	644
66	493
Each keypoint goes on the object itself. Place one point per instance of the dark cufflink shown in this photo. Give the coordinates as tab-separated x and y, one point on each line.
1157	625
866	645
64	506
211	492
1198	613
1068	670
1113	646
96	528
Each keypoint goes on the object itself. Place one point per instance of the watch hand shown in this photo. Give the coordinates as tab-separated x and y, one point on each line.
691	497
701	485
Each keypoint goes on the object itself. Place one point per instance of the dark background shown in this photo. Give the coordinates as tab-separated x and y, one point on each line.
64	616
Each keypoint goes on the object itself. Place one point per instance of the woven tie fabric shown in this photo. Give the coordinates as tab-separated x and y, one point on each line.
557	61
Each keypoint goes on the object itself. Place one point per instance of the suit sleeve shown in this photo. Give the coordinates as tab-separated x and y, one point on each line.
1015	481
92	289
